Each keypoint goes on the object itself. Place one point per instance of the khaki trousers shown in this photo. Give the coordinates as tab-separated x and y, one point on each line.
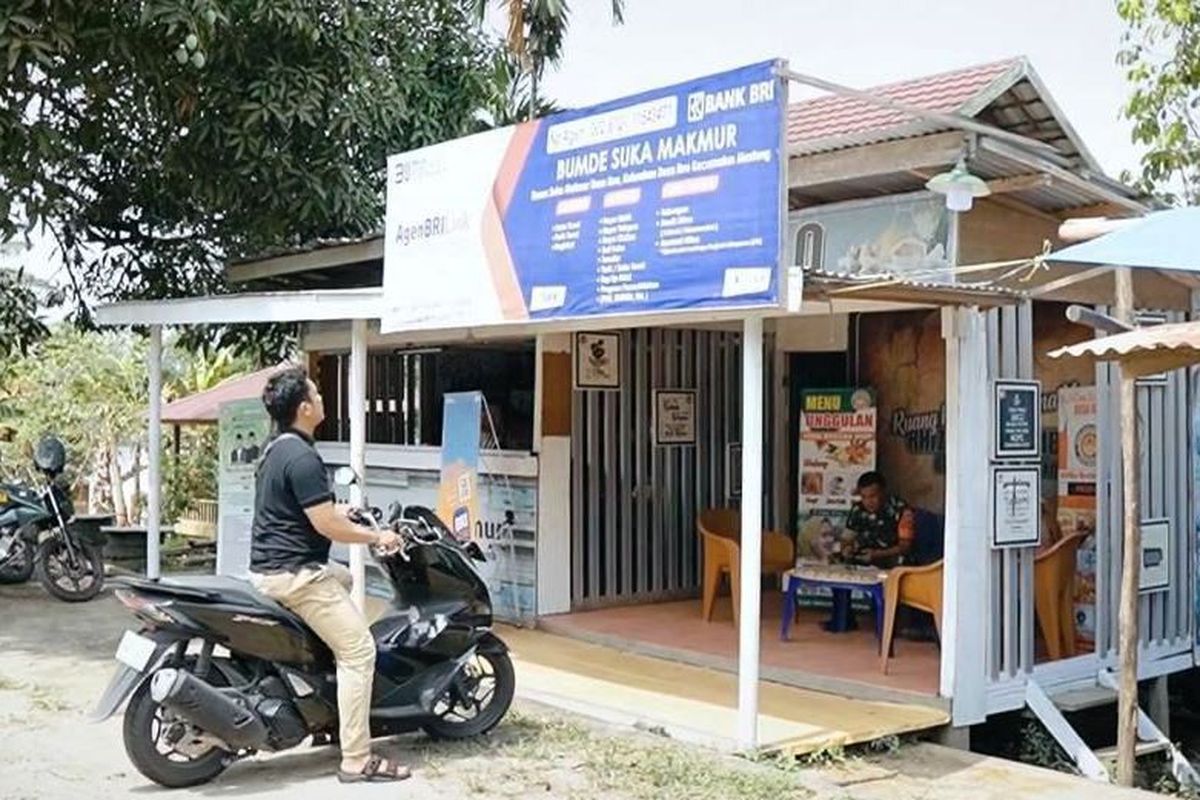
320	596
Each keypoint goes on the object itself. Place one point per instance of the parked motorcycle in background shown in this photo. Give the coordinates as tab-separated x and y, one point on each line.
35	535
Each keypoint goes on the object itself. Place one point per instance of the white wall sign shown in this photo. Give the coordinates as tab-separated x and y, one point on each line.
1016	511
597	361
1016	419
674	416
1155	575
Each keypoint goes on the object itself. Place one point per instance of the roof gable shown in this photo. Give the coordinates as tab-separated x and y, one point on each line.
1008	94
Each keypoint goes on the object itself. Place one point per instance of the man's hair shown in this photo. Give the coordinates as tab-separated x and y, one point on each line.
283	394
871	478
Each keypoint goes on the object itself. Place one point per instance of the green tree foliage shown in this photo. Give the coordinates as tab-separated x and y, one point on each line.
190	473
1161	54
20	323
512	99
89	389
536	33
156	139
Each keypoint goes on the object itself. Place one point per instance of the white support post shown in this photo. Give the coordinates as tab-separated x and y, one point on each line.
554	499
358	448
965	574
154	473
751	544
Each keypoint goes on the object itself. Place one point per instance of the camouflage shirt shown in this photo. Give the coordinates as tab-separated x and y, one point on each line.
884	529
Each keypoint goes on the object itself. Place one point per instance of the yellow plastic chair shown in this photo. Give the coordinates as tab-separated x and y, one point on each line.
916	587
719	530
1054	595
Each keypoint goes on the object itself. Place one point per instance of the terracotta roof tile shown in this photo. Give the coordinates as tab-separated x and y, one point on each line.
204	407
831	115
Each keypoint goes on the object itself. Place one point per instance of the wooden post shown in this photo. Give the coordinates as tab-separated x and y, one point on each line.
1127	697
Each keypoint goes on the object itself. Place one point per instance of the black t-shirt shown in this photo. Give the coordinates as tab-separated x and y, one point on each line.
291	478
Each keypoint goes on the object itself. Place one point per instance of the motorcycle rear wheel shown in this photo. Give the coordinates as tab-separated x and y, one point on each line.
18	568
142	746
70	582
490	686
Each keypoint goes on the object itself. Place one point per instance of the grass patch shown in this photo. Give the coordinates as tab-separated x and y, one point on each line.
832	756
40	697
529	748
47	700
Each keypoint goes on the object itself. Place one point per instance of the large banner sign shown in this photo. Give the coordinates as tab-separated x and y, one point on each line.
668	200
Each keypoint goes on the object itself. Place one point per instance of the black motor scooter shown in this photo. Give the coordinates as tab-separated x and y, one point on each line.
219	671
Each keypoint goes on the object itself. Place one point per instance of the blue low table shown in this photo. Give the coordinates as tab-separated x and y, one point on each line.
841	580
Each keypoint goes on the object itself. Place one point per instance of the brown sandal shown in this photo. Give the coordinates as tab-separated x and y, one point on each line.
376	770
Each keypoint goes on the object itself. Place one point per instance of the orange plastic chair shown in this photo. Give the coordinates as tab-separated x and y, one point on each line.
719	530
917	587
1054	595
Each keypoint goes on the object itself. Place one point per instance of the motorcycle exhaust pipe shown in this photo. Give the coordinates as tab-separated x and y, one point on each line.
208	709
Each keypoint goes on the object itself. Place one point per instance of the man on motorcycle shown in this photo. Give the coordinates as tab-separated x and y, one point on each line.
295	521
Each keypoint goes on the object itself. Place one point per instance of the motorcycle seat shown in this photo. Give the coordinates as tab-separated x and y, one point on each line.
217	589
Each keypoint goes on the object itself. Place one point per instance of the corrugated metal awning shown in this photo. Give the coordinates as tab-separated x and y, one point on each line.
1144	351
898	289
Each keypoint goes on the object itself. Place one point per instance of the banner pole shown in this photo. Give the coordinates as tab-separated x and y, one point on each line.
750	578
358	450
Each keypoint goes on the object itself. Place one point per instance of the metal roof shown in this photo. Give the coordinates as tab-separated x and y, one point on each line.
1143	351
897	288
307	247
246	308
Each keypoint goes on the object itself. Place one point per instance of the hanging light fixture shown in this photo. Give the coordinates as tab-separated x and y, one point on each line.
959	187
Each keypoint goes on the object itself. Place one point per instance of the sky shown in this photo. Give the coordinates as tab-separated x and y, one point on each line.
1072	45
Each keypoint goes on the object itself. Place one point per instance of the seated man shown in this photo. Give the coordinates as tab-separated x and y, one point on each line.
884	525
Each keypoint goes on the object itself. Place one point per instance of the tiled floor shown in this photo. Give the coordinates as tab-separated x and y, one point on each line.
841	659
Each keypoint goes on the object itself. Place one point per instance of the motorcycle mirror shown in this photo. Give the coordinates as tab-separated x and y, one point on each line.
395	511
475	551
345	476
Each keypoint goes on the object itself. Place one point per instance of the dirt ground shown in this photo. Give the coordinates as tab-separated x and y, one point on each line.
55	660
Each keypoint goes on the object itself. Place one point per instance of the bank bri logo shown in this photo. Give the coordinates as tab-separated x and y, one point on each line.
705	104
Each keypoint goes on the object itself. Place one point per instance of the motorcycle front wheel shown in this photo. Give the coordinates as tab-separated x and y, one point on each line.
477	700
72	577
18	567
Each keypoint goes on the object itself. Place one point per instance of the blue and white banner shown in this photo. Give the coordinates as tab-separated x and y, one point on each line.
666	201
